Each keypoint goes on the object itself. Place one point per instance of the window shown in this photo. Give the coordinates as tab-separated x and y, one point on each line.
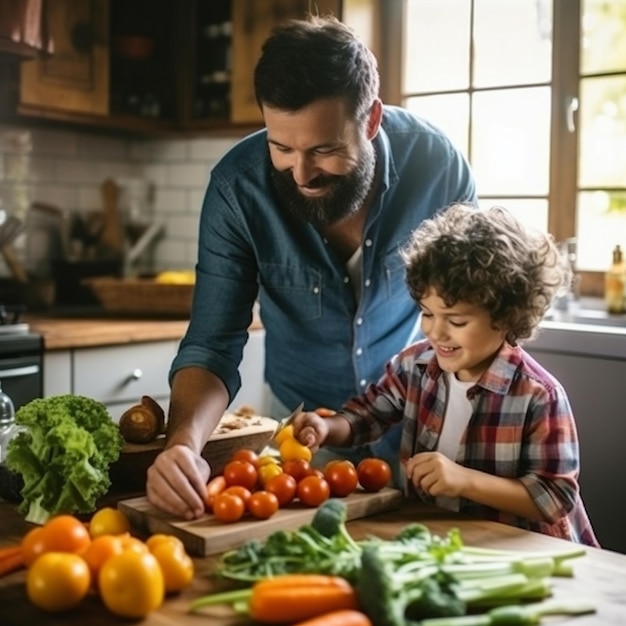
534	93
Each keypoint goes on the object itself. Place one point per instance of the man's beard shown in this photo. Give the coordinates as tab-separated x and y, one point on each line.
344	195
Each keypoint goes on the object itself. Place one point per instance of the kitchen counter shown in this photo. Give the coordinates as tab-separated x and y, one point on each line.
62	333
598	576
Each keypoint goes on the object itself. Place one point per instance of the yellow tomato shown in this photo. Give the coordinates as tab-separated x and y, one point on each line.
57	581
133	544
267	459
100	550
108	521
291	449
131	584
154	540
176	565
283	435
269	471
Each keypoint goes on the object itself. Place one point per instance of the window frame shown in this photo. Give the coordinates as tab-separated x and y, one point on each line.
563	188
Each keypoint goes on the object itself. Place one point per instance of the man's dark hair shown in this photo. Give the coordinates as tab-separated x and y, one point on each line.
319	57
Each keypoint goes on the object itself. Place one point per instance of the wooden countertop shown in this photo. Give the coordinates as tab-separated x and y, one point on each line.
62	333
599	575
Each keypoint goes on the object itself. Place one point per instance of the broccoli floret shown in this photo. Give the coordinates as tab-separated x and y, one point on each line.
330	521
63	453
391	600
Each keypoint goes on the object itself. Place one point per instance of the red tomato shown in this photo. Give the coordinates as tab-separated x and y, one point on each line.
298	468
313	490
245	454
241	473
374	474
314	471
239	491
228	507
342	478
283	486
263	504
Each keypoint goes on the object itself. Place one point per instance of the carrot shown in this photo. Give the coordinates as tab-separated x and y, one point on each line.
287	599
338	618
214	487
9	551
11	563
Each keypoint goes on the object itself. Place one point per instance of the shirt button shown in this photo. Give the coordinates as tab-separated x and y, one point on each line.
368	243
359	351
363	382
346	279
316	289
368	282
359	321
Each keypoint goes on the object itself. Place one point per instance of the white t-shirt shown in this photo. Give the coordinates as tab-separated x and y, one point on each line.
456	418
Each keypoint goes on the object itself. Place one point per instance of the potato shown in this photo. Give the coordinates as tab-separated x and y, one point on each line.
140	424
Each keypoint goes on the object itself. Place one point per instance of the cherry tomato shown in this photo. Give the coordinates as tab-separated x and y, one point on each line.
374	474
263	504
283	486
342	478
241	473
228	507
241	492
315	471
245	454
297	468
313	490
268	471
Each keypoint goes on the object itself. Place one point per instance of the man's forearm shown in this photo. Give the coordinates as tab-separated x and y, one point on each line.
198	401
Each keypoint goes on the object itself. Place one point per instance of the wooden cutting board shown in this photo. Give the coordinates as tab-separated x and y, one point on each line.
207	535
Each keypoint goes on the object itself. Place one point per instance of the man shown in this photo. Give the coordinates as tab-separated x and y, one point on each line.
308	215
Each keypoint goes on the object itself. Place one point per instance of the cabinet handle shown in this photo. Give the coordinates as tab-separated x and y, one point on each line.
19	371
136	375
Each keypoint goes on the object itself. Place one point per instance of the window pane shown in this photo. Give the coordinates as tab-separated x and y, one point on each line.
602	120
449	112
512	42
511	141
532	212
436	47
601	224
603	40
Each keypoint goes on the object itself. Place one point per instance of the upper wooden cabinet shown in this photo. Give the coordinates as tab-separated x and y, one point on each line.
252	23
145	66
76	77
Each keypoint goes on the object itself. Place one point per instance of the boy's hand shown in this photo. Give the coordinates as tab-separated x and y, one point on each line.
435	474
310	430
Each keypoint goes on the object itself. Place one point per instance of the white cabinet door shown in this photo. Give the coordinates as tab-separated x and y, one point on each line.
57	373
253	390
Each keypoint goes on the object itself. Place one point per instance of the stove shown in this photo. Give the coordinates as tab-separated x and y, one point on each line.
21	357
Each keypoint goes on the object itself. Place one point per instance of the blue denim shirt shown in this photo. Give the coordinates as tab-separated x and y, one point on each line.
322	346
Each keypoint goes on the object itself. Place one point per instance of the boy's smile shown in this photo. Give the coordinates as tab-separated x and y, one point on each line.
461	335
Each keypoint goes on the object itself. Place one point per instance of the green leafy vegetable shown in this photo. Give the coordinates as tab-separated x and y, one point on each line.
63	453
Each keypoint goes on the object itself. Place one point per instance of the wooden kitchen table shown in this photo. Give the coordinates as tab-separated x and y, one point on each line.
600	576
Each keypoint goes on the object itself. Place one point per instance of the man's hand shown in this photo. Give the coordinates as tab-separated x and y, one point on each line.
177	480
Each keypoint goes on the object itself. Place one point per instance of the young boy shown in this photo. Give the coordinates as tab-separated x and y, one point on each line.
485	429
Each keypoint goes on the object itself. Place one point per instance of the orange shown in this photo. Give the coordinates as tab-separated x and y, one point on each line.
65	533
100	550
57	581
131	584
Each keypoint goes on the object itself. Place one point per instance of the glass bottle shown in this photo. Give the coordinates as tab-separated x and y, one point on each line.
8	427
615	284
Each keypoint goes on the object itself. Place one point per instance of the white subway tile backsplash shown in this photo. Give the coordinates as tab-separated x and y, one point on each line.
66	168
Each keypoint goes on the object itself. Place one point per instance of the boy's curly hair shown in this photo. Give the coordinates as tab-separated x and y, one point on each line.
487	258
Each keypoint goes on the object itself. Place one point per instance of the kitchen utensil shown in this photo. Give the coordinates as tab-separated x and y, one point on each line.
207	535
14	264
9	229
112	237
285	422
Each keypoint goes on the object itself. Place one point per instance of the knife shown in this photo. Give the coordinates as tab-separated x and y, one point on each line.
287	420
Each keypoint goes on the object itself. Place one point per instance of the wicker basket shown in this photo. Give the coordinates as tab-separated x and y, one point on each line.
141	296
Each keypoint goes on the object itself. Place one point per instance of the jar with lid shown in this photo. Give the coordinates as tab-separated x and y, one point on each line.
10	482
